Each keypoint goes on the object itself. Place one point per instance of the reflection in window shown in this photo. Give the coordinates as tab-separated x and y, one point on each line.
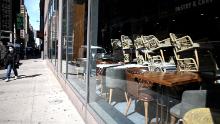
73	37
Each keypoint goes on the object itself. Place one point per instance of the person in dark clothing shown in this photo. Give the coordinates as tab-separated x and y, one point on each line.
11	63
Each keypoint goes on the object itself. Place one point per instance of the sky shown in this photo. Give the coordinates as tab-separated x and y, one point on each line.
34	14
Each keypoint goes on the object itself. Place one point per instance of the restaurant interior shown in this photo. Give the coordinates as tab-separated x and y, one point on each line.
162	61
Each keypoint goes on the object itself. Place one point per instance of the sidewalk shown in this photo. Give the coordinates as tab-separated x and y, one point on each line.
36	97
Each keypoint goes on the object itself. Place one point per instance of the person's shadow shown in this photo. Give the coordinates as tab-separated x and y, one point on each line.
28	76
22	76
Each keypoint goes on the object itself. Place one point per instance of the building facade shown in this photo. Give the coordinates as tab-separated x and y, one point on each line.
14	25
97	48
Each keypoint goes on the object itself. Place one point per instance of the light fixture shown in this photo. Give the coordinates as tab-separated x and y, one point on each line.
202	14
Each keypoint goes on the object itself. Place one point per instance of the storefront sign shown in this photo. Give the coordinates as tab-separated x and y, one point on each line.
192	4
20	22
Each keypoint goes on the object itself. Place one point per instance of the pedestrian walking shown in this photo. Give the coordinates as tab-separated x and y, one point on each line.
11	63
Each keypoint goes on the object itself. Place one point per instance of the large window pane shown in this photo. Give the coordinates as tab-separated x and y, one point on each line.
52	30
74	44
63	51
136	46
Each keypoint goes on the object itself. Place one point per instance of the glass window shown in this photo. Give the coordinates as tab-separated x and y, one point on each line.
63	51
52	29
73	45
153	59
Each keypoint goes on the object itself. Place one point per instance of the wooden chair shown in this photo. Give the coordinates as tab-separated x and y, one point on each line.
116	43
146	50
116	79
139	90
153	44
181	45
117	51
138	43
127	48
157	60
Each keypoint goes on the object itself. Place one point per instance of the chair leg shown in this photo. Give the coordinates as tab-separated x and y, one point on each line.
110	96
162	56
146	112
128	106
126	97
157	114
172	119
101	86
197	58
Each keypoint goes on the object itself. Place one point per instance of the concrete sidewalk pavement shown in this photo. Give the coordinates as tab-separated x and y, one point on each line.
36	97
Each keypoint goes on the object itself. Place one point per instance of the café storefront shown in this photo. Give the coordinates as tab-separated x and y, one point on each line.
146	61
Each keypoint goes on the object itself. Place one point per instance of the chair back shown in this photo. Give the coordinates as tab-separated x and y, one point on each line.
127	48
116	78
138	42
192	99
126	42
189	63
116	43
182	44
117	50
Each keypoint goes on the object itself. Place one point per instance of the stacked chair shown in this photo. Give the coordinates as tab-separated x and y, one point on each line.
138	43
181	45
158	61
146	42
117	49
127	48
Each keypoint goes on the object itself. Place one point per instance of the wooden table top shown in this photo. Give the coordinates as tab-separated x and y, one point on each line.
168	78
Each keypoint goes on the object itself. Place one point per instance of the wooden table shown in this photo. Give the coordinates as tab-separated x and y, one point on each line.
163	79
166	78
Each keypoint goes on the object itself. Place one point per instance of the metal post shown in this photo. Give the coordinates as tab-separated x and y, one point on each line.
88	50
67	36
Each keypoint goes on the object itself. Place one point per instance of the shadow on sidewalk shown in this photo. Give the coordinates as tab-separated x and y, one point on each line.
28	76
21	76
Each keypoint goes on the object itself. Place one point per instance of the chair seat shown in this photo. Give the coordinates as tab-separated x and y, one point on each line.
180	109
175	110
145	97
199	116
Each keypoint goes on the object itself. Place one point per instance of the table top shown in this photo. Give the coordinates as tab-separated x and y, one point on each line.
106	65
168	78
